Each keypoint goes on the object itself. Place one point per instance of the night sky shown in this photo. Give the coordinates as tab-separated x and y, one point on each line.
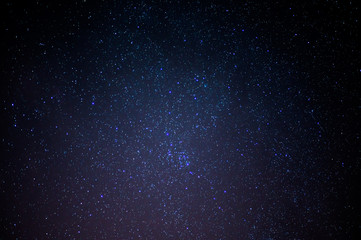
180	120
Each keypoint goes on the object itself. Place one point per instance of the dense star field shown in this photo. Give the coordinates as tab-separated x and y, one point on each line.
180	120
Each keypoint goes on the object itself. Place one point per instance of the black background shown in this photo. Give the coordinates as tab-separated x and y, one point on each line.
180	120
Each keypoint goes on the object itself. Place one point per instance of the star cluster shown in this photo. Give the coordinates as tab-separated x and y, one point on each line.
179	120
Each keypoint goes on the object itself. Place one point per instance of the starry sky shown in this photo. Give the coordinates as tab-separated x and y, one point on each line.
180	119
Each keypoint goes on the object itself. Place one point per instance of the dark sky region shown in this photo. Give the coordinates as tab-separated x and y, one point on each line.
180	119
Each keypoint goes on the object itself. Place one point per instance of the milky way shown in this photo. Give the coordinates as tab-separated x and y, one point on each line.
179	120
